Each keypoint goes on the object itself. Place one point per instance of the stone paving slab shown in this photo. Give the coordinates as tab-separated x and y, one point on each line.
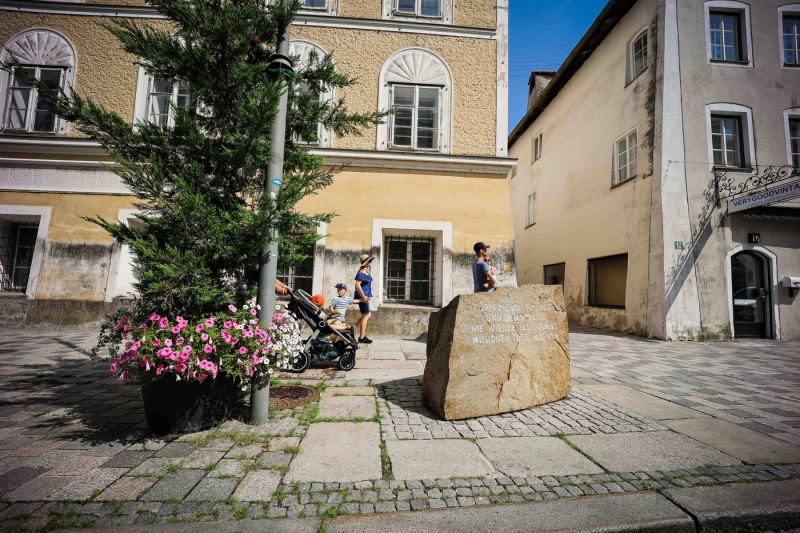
39	488
536	456
617	512
437	459
126	489
385	375
347	407
387	355
17	477
743	443
386	365
349	391
740	507
258	486
84	486
77	466
658	450
338	451
213	489
641	403
176	484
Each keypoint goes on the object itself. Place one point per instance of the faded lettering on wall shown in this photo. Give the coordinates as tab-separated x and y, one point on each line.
62	179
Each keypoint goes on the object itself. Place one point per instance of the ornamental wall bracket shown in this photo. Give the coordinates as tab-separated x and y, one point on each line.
729	187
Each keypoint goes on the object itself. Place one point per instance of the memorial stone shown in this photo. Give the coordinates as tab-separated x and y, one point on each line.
497	352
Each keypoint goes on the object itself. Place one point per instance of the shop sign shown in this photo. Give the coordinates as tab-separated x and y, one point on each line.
770	196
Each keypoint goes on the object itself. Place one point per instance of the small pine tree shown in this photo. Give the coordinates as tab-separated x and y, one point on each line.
201	184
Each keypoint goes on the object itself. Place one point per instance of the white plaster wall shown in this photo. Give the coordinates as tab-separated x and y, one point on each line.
580	215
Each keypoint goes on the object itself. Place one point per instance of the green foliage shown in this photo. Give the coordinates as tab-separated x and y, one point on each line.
203	210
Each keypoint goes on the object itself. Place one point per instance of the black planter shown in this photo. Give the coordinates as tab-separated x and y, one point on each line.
181	406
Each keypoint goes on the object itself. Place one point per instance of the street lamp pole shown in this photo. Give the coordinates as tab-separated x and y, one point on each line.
280	65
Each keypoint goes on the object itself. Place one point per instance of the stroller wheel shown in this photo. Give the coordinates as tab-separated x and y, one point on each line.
347	361
301	364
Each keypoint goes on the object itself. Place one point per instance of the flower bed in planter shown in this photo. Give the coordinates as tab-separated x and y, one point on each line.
190	373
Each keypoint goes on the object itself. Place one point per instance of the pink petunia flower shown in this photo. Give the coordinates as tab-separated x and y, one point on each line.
157	342
175	329
232	308
209	323
207	348
242	350
163	323
167	342
227	324
204	337
154	317
253	312
199	328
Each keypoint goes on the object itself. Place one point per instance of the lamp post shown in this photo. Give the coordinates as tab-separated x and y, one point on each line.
281	66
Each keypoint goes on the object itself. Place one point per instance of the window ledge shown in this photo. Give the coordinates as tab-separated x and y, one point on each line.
791	65
530	225
413	16
724	62
732	169
603	306
615	185
636	77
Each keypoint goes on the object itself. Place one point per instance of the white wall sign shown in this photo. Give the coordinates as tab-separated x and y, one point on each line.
91	180
770	196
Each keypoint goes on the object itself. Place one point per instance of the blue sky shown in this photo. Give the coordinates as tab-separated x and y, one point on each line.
541	35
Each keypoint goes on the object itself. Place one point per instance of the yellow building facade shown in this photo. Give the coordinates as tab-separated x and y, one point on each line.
418	203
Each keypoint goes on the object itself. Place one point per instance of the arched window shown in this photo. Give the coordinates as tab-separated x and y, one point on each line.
304	53
417	84
637	56
48	56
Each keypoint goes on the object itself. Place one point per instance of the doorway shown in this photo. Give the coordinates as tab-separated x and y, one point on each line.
751	287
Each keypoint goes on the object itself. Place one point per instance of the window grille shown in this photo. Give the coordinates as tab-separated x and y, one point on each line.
409	270
17	243
300	276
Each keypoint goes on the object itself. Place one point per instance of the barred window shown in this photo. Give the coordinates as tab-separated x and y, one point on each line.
300	276
17	244
409	269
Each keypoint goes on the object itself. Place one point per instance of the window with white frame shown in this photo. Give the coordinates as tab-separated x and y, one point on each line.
730	136
530	216
790	35
415	123
306	54
47	56
164	98
537	148
416	84
419	8
728	37
793	137
637	56
625	150
425	11
726	141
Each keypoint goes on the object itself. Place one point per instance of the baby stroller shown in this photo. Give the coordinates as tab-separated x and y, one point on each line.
318	345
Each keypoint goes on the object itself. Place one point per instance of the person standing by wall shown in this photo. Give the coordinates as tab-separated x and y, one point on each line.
364	293
480	268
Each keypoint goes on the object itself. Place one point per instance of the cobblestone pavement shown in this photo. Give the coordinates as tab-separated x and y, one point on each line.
753	383
580	413
75	450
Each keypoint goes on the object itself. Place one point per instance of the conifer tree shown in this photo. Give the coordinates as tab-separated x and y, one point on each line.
200	183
